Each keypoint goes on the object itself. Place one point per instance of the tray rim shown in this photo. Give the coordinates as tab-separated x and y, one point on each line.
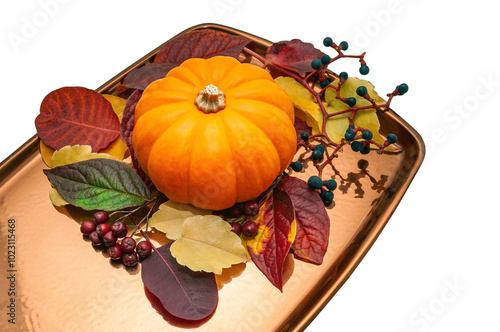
31	147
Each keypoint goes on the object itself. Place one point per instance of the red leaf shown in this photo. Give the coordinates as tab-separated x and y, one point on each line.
76	115
301	127
183	293
294	54
141	77
204	43
271	244
313	223
126	129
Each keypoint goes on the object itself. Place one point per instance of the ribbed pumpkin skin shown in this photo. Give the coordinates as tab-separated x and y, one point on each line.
217	159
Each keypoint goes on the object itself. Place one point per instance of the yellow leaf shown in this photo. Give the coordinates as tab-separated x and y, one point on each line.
304	101
171	215
208	244
118	148
56	198
72	154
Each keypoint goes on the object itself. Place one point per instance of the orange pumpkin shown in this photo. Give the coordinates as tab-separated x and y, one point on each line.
214	132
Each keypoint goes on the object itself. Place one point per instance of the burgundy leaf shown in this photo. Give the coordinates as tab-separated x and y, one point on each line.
294	54
141	77
183	293
313	223
204	43
77	116
301	127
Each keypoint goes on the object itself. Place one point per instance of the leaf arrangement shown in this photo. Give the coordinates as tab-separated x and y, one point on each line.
85	139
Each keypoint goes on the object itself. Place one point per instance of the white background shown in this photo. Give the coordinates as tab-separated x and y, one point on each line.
434	267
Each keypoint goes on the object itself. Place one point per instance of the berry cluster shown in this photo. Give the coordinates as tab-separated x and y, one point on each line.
115	239
325	188
241	217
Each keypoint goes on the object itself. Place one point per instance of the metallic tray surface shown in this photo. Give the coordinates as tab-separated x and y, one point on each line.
64	284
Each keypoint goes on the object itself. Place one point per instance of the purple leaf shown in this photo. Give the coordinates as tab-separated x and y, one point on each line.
183	293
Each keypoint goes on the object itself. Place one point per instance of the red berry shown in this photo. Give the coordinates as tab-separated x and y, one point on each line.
236	227
109	239
220	214
251	208
144	249
249	228
102	229
128	244
119	229
130	258
236	211
95	239
87	227
115	252
101	217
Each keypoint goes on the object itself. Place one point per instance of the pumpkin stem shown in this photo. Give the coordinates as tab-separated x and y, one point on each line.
210	100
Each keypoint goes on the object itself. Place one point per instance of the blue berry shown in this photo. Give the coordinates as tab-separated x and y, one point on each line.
344	45
391	138
324	83
343	75
314	182
356	146
317	155
367	135
327	196
331	184
320	147
364	70
365	149
351	101
304	136
361	91
349	135
327	41
325	59
296	166
402	88
316	64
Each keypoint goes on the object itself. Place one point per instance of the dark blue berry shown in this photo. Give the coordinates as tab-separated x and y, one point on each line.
296	166
320	147
349	135
327	41
327	196
331	184
325	59
324	83
343	75
367	135
365	149
344	45
315	182
402	88
356	146
317	155
316	64
361	91
304	136
391	138
351	101
364	70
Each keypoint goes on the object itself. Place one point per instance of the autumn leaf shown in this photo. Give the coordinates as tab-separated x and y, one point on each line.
140	78
118	148
183	293
171	215
56	198
313	222
293	54
204	43
275	234
72	154
208	244
98	184
77	115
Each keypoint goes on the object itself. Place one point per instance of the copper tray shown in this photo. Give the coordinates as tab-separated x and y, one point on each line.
63	284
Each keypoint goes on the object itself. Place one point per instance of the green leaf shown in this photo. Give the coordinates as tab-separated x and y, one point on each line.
98	184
